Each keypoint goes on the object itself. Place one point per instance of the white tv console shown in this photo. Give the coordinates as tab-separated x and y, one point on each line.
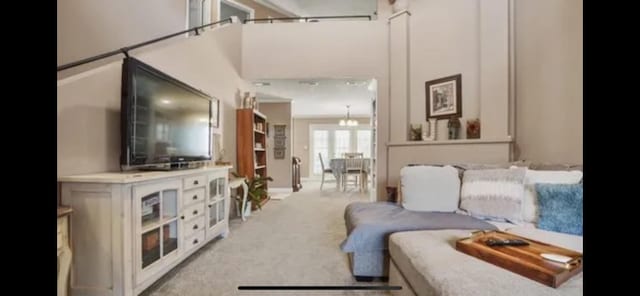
130	228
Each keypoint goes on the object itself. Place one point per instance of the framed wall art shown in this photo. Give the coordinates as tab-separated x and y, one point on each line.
278	153
279	130
444	97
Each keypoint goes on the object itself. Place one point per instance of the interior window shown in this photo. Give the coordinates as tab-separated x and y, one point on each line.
230	8
199	13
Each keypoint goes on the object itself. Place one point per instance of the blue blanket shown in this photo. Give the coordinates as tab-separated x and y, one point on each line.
370	224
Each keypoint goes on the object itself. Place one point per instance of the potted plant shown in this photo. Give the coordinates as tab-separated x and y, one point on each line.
256	192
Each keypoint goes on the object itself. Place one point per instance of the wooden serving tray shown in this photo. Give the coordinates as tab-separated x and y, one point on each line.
523	260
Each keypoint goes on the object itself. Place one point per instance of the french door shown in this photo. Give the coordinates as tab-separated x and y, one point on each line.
332	141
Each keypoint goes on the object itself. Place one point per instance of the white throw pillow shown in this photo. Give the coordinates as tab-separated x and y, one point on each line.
530	202
430	188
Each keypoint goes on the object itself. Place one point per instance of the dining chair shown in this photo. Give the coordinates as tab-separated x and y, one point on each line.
354	166
324	170
353	155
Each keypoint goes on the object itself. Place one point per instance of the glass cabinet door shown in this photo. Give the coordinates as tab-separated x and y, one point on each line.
222	186
169	204
213	190
170	221
169	237
221	207
158	206
150	247
150	209
213	215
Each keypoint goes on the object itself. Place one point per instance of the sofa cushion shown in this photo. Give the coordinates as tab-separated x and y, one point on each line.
555	167
530	202
462	167
430	188
560	207
493	194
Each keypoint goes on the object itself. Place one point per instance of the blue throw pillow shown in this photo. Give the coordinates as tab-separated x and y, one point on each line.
560	207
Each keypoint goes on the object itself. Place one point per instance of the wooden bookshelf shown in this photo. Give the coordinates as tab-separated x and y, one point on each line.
251	140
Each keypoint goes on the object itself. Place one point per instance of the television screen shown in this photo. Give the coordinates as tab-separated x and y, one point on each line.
164	121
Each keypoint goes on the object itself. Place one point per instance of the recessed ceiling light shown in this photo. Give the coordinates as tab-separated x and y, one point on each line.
166	101
261	83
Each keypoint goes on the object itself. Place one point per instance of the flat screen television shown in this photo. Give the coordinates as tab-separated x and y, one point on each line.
165	123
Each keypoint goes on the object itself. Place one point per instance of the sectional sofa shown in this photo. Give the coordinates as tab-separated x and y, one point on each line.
425	262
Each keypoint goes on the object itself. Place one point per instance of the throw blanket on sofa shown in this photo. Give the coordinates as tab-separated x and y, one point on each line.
370	224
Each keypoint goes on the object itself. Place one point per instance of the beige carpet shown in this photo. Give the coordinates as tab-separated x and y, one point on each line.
294	241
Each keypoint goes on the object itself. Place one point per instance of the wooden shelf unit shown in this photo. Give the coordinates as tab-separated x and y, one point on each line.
251	128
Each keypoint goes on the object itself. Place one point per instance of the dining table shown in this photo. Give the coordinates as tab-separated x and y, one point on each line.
337	166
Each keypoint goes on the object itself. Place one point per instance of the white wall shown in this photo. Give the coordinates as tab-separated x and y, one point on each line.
89	103
91	27
468	37
344	49
323	49
549	80
279	169
444	41
442	38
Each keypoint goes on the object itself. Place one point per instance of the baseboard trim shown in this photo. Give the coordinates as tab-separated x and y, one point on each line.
280	190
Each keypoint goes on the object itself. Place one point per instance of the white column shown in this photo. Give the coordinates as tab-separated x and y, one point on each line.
399	76
494	69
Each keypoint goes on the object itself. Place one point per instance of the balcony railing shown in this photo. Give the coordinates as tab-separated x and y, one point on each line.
196	30
307	18
125	50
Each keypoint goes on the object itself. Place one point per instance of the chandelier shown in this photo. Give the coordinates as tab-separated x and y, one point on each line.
348	121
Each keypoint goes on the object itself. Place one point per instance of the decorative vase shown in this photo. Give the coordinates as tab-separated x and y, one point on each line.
454	127
246	101
415	133
432	124
473	129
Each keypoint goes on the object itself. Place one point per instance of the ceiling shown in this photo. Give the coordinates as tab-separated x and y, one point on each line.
320	97
326	7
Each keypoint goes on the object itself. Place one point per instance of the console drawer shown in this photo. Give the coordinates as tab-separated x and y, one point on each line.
192	196
195	240
193	226
194	182
193	211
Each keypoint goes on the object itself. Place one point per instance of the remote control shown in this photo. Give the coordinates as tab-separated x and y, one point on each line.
506	242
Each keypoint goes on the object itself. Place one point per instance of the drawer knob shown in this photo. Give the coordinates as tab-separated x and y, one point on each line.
182	217
195	212
195	182
195	241
195	197
195	226
209	205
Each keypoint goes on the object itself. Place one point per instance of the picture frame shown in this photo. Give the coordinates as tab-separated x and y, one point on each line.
279	130
279	142
278	153
444	97
215	113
